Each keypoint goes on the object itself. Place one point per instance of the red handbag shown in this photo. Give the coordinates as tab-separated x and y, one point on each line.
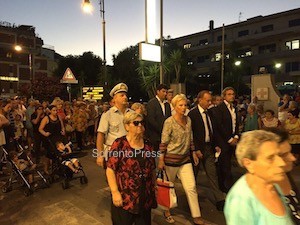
166	196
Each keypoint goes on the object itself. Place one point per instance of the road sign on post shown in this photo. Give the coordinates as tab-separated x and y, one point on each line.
69	78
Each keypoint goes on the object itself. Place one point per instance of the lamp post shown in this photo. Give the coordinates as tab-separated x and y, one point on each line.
19	48
161	65
87	8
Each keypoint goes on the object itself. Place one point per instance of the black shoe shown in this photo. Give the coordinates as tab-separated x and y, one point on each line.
220	205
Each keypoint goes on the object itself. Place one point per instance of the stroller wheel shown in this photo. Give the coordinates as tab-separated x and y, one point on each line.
6	189
83	180
27	192
47	182
21	182
65	185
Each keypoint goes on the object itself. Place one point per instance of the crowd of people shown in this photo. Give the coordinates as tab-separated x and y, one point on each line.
179	136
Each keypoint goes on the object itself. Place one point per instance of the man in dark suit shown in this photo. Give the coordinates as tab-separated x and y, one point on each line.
204	141
158	110
227	136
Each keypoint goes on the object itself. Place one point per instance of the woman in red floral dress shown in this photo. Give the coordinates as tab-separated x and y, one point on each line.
131	175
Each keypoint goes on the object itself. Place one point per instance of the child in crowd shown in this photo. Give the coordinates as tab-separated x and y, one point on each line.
24	165
19	128
64	152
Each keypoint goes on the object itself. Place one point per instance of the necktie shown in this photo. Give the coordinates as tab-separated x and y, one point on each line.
208	125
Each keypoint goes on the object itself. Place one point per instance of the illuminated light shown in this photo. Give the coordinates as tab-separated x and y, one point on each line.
151	21
18	48
9	78
87	6
278	65
237	63
149	52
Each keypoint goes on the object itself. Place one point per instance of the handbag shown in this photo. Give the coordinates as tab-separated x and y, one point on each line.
166	196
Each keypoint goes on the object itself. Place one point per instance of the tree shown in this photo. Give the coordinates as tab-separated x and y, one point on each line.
233	75
47	88
125	70
149	73
87	69
176	61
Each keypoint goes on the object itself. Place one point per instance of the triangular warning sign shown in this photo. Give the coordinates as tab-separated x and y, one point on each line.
68	77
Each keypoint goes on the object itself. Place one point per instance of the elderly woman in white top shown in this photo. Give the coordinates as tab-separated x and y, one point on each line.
176	143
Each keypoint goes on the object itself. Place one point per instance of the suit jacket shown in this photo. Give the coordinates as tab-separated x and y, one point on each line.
223	121
198	128
155	119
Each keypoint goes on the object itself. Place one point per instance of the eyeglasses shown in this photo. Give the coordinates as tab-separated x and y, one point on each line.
136	123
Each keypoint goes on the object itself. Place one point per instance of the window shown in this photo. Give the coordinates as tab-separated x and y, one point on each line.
218	56
203	42
245	53
292	66
219	38
267	28
243	33
202	59
190	61
294	44
187	46
293	23
268	68
267	48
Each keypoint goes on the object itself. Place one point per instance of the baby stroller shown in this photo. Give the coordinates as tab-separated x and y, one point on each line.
63	172
17	175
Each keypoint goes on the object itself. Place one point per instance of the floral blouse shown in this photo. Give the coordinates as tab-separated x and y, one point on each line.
176	142
79	120
293	138
135	181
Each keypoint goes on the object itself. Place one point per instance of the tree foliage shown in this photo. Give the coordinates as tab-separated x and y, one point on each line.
47	88
87	68
125	70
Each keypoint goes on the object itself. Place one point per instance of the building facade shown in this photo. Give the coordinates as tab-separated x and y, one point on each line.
20	67
271	42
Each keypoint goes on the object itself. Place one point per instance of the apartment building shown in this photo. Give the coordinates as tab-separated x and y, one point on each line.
19	67
271	42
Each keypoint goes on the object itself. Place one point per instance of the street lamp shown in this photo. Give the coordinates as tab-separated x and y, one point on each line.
278	65
237	63
19	48
88	8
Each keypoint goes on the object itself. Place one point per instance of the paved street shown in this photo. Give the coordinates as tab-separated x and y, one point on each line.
90	203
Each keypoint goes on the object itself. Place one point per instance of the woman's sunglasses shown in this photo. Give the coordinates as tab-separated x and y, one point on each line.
136	123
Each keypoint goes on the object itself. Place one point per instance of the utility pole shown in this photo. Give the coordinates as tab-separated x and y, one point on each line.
102	14
222	58
161	65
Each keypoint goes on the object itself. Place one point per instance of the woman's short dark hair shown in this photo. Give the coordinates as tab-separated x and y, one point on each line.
270	111
280	132
51	107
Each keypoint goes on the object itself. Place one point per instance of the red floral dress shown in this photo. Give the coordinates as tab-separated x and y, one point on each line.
134	174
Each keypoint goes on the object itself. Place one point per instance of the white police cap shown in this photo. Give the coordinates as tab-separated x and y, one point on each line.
121	87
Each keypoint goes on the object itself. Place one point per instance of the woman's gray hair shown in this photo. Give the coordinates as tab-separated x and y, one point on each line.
131	116
136	106
252	106
250	143
178	98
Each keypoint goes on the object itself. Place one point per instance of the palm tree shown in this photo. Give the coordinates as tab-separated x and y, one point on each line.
149	76
176	60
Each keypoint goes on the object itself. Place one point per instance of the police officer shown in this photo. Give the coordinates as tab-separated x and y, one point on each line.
111	123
